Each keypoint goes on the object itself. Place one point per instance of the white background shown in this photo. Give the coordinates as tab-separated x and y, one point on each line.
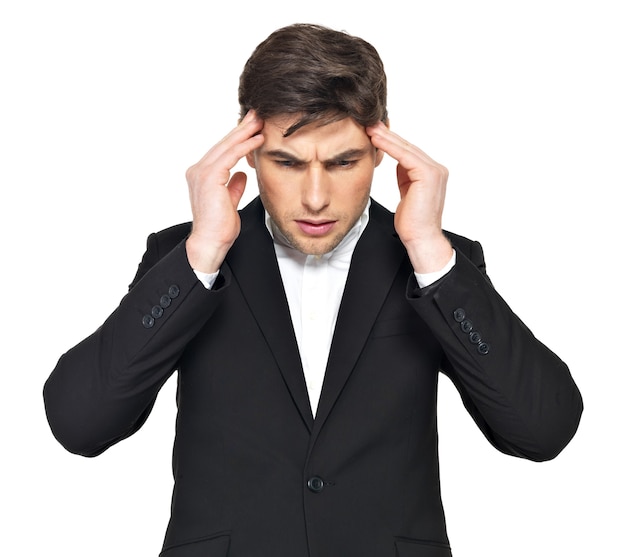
105	104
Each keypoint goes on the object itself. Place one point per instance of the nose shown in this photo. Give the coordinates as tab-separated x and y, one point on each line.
316	190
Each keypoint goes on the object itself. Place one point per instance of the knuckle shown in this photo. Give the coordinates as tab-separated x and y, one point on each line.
190	173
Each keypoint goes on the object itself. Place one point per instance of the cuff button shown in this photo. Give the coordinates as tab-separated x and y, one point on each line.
148	321
475	337
459	315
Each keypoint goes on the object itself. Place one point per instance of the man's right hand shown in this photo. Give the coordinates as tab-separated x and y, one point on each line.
215	195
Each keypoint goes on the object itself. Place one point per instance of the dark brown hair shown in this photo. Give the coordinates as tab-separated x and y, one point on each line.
318	73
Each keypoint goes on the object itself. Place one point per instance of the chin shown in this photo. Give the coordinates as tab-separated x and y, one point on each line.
320	247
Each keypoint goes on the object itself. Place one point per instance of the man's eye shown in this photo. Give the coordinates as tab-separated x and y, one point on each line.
343	163
286	163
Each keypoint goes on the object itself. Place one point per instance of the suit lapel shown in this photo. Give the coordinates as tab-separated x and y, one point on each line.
252	260
374	265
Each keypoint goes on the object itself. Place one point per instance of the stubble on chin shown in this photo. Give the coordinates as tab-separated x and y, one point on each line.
310	245
319	246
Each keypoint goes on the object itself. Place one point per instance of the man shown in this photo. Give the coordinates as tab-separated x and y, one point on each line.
308	330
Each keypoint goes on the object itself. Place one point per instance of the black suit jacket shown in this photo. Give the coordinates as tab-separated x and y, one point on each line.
255	474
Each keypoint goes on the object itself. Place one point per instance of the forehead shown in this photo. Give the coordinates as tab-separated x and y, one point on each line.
326	139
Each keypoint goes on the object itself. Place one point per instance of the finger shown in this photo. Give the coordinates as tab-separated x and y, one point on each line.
230	157
395	145
249	125
414	164
247	129
218	169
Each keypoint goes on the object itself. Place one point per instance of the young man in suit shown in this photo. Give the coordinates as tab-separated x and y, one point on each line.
308	330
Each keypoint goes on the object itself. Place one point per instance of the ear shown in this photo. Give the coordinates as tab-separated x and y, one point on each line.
251	160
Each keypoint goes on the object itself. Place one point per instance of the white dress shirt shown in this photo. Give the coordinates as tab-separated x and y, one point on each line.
314	287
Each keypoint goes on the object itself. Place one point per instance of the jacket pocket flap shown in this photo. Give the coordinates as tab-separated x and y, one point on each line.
215	546
419	548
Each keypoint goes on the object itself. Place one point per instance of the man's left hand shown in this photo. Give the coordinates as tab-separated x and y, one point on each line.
422	184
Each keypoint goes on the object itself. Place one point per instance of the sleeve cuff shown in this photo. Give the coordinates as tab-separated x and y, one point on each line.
207	279
426	279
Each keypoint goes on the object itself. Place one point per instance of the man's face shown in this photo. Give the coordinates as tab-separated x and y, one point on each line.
315	183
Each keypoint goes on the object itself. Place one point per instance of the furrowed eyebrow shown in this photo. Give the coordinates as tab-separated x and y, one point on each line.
349	154
283	155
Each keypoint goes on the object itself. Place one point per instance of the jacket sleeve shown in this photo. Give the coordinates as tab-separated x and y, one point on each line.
520	394
103	389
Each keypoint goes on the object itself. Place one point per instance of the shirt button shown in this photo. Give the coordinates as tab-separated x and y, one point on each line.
315	484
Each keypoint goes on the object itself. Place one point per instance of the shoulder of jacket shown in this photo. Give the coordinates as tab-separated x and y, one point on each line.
460	242
168	238
379	213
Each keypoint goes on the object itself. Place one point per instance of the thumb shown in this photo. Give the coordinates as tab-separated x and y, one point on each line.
403	180
236	186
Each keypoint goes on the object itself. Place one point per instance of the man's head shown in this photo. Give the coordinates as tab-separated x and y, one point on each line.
316	90
315	74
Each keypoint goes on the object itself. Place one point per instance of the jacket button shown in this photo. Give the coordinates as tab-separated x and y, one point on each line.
459	315
466	326
173	291
475	337
147	321
165	301
157	311
315	484
483	348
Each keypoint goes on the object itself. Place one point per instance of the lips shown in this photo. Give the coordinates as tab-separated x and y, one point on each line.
313	228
